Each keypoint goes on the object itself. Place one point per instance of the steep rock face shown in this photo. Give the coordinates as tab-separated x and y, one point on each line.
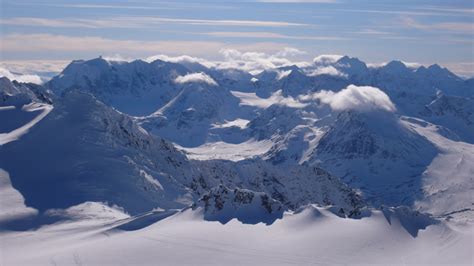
292	185
454	113
355	69
223	204
296	82
17	94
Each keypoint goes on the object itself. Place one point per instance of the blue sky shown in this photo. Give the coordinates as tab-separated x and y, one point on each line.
375	31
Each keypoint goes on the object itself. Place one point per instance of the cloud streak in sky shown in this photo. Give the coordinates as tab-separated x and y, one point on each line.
299	1
271	35
460	27
138	22
58	43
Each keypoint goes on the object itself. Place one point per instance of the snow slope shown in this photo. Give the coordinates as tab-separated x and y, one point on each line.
312	236
104	155
448	181
84	150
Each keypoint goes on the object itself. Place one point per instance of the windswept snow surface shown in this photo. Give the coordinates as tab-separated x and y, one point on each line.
312	236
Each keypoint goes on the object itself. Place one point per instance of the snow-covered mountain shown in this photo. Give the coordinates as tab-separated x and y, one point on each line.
289	111
137	87
376	153
99	154
188	118
130	146
454	113
84	150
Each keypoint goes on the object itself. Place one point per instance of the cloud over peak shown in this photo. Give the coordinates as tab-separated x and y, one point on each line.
196	77
326	59
358	98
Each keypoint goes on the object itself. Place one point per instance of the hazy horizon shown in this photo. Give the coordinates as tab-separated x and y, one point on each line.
45	35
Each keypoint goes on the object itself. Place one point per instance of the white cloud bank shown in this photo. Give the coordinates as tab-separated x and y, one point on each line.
20	77
181	59
196	77
363	99
255	62
327	70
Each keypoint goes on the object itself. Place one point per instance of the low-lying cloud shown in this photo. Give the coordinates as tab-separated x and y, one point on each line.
363	99
181	59
326	59
20	77
252	62
255	62
196	77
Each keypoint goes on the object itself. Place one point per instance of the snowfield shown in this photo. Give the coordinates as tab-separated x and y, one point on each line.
312	236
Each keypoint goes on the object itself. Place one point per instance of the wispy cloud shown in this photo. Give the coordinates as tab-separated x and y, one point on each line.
143	6
459	27
139	22
96	6
299	1
372	32
468	11
417	12
58	23
97	45
270	35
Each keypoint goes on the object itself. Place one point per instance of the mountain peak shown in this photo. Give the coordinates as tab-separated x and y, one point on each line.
353	61
396	64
